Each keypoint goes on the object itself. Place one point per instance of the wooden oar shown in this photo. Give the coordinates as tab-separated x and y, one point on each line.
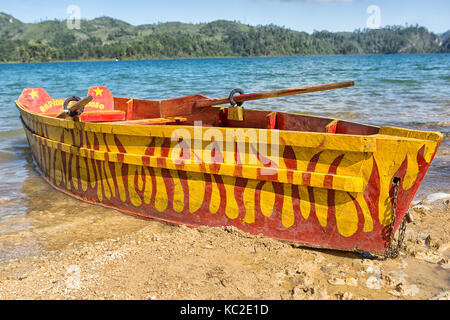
74	108
186	105
273	94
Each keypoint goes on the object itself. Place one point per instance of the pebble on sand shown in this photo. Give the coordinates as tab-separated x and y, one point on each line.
444	295
404	290
422	206
374	282
437	196
336	281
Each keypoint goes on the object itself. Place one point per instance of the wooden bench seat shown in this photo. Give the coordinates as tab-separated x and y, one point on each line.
98	116
153	121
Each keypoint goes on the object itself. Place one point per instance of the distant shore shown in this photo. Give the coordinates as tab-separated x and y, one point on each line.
221	57
112	38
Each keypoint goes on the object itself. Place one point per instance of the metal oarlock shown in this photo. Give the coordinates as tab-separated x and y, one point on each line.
236	112
66	106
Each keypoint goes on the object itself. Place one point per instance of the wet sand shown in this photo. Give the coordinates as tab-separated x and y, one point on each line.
89	252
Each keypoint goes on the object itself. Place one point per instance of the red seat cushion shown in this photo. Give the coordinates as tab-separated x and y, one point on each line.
102	116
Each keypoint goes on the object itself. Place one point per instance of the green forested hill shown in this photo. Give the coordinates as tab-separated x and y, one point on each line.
108	38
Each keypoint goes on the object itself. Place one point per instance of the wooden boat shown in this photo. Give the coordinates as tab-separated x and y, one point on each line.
318	181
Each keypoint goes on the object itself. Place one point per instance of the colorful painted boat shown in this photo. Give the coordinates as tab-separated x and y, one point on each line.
318	181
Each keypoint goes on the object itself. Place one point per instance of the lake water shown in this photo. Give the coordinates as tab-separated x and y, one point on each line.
410	91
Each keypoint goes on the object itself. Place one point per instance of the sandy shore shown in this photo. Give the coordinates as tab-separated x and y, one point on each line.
155	260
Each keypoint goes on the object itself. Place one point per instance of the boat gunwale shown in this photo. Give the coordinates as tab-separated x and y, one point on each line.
366	143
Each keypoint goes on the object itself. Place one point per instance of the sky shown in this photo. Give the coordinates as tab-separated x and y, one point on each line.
301	15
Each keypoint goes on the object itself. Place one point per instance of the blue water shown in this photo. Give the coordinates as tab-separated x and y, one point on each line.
406	90
403	90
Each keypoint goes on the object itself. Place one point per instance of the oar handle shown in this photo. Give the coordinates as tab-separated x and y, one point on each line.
74	108
273	94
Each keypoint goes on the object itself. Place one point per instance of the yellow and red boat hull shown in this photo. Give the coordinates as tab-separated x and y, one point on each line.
328	190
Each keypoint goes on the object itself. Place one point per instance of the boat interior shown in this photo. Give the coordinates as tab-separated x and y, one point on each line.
106	108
